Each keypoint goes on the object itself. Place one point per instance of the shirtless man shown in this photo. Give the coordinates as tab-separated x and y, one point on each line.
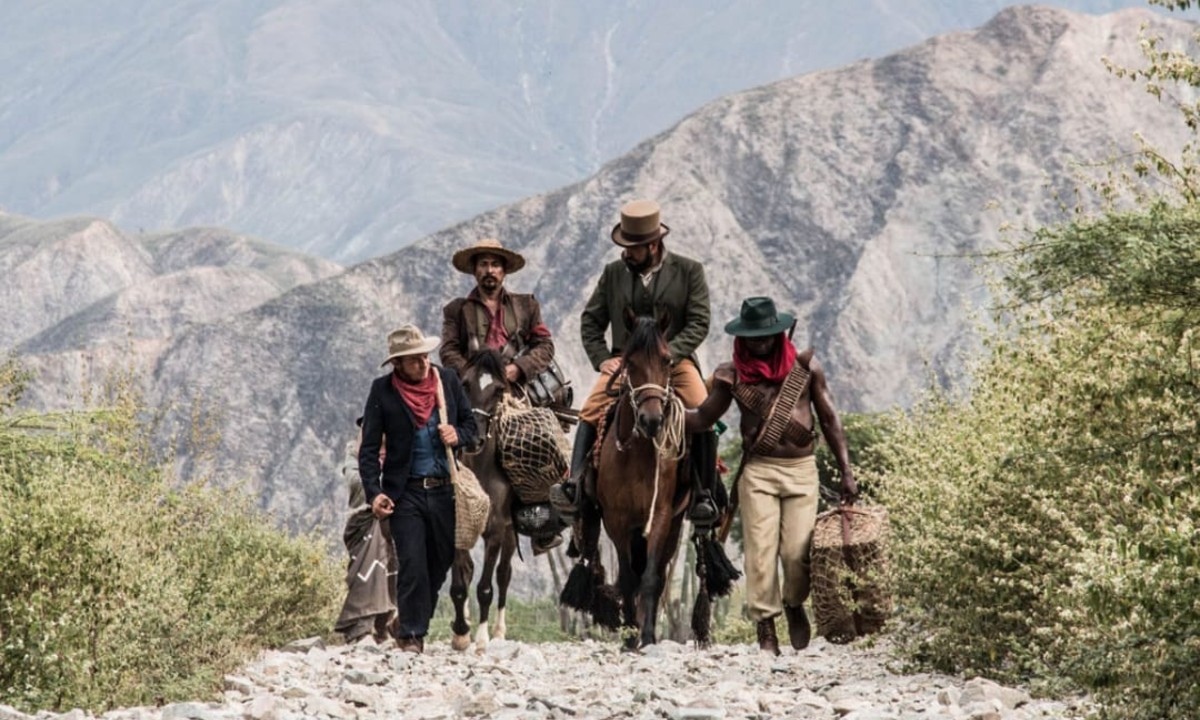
777	484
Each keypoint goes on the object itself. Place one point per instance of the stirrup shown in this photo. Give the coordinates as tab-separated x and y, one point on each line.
561	500
703	512
545	543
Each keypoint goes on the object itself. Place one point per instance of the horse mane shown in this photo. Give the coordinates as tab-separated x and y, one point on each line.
646	338
489	361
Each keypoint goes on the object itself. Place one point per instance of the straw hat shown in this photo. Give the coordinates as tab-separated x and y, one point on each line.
639	224
464	260
408	340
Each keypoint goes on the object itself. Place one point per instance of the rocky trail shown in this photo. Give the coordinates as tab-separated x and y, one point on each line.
591	679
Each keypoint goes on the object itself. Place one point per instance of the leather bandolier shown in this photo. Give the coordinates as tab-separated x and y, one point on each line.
777	421
777	413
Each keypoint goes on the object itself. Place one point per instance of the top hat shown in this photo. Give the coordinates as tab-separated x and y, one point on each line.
758	318
464	260
408	340
639	224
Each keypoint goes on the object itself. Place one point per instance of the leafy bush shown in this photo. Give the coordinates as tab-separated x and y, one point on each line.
1044	516
119	589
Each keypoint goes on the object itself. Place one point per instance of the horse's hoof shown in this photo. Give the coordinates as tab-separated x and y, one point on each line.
460	642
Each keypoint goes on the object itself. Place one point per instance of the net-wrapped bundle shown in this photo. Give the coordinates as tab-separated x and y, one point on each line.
533	450
850	596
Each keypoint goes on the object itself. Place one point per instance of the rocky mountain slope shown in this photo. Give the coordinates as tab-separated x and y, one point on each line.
349	130
86	300
849	195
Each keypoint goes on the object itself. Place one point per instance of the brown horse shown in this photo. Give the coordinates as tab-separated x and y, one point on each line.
638	495
485	386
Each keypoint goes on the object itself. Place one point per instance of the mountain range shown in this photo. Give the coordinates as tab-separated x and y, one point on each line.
349	129
856	197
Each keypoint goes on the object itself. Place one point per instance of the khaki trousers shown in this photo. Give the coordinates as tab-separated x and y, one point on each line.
778	501
685	379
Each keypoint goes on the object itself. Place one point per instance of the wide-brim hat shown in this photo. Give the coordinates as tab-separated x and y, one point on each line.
464	260
408	340
758	318
640	224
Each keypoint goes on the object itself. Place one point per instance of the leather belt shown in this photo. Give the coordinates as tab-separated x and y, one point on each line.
429	482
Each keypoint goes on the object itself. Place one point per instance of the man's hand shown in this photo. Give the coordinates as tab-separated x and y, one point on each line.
849	489
448	434
512	373
609	366
382	506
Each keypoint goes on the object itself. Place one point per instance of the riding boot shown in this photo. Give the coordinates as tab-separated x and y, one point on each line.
799	630
704	476
567	495
768	641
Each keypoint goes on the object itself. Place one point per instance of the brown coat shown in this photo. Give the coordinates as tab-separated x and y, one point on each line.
465	324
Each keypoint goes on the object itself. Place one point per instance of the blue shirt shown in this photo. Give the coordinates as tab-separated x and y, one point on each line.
428	452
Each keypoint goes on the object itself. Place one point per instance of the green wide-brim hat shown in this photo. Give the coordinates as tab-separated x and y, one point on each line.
758	318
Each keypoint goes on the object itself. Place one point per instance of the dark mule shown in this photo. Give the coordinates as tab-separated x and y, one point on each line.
485	386
638	494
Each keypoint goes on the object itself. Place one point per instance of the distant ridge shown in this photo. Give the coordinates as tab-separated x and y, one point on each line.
848	195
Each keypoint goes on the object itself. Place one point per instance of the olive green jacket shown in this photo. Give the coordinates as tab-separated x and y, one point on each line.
679	288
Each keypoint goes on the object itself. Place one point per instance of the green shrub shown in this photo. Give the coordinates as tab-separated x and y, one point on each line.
1044	518
121	590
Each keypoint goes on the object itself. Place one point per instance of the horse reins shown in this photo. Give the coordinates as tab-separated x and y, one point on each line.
668	443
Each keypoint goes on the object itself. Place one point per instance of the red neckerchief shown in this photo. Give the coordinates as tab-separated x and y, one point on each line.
421	397
751	369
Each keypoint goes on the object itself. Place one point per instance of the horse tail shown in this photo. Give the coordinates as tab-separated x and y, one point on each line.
702	612
716	576
720	572
606	606
577	592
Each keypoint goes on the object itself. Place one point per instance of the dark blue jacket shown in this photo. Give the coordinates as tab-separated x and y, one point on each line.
387	415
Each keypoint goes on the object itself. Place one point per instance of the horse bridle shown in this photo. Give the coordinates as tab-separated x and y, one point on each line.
637	396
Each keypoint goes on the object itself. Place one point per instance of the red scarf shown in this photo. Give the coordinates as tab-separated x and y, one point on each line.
421	397
751	369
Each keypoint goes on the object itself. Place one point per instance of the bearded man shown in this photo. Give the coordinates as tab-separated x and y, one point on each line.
492	318
650	281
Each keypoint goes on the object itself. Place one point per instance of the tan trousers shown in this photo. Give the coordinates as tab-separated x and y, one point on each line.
778	501
685	378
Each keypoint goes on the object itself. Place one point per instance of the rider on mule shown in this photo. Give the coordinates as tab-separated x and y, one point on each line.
649	280
491	317
777	485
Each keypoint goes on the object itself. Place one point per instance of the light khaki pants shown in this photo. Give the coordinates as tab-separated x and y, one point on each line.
778	501
685	378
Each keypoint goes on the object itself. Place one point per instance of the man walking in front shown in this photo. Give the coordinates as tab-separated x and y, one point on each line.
649	280
776	390
412	487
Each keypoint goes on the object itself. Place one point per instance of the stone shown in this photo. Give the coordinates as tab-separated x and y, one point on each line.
303	646
238	684
358	677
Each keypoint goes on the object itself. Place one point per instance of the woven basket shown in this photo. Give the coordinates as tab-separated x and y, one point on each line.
471	508
532	449
471	501
849	572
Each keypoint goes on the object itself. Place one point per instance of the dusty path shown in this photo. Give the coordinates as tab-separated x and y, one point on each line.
595	680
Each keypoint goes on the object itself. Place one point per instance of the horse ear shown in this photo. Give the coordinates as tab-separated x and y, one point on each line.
630	318
664	320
